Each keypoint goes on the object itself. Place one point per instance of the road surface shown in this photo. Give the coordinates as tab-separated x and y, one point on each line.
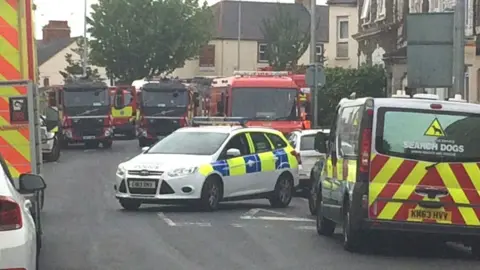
85	229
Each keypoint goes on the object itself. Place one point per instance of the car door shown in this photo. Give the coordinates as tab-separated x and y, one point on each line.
264	172
235	180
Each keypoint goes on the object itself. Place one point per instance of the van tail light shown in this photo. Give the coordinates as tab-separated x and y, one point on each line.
297	155
10	215
365	150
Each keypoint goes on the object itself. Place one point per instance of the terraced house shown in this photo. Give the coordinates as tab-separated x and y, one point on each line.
382	38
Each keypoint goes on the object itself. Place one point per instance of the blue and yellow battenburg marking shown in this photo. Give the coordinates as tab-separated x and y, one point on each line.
262	162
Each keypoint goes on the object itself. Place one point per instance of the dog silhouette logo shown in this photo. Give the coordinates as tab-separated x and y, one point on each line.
435	129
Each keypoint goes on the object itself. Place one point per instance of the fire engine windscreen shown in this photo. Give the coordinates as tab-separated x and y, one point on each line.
265	103
434	136
82	102
171	102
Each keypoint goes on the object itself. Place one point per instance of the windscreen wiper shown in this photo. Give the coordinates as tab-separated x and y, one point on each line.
87	112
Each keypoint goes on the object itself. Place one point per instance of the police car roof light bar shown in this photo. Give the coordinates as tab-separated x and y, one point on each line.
261	73
219	121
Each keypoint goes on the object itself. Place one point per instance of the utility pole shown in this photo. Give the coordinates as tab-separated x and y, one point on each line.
459	49
85	41
239	34
313	61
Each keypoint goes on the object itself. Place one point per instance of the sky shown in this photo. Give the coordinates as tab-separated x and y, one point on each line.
73	10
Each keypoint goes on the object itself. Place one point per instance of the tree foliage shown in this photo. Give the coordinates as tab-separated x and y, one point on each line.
287	39
138	38
74	68
366	81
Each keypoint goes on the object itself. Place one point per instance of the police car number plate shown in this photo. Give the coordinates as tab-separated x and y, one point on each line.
421	214
141	184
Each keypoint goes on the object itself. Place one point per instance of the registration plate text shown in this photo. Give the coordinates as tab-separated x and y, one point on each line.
141	184
88	137
420	214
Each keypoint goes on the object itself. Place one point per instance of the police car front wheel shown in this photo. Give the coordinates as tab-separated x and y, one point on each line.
211	194
283	192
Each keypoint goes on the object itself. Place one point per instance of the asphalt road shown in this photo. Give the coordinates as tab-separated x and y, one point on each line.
85	229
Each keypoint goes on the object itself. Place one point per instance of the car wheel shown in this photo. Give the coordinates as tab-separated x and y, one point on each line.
352	238
130	205
55	154
312	198
325	226
211	194
283	192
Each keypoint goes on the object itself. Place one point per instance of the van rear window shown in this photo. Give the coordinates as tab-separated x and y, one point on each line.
428	135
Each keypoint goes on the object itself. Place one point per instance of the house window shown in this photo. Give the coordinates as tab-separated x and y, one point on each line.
342	37
365	15
262	52
319	53
207	57
381	9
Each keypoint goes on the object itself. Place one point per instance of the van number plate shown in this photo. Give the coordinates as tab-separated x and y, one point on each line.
421	214
141	184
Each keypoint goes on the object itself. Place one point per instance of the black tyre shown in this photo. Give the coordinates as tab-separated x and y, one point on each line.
211	194
325	226
107	144
312	198
55	155
352	238
283	192
130	205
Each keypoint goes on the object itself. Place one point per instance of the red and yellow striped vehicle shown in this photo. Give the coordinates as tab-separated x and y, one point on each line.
404	163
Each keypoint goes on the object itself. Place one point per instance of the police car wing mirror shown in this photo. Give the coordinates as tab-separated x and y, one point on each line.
320	143
31	183
233	152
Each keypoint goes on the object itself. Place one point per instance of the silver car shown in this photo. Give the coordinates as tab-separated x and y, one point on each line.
303	142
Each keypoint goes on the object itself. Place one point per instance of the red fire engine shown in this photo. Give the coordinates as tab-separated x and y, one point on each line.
263	98
164	106
84	108
124	109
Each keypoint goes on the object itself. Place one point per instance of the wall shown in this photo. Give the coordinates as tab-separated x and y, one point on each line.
57	63
331	48
226	60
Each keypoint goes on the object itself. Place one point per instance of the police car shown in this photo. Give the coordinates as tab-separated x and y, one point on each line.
414	168
210	164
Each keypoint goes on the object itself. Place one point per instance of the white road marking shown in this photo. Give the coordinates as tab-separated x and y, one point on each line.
236	225
199	224
166	219
303	199
305	228
297	219
251	212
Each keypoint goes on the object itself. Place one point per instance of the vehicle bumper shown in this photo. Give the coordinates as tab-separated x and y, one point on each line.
18	251
124	128
174	187
448	232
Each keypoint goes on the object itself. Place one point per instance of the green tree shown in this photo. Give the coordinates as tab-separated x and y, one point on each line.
366	81
287	39
74	68
138	38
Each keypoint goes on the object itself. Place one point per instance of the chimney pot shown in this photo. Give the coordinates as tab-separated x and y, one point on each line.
56	30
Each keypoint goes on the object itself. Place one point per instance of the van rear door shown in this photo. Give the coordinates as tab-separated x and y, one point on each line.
425	167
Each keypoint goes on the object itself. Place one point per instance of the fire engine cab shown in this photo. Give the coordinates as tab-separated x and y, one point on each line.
265	98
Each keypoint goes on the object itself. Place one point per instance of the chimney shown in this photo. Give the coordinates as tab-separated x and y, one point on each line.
55	30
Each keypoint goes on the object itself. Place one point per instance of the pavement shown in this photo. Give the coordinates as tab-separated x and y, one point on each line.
86	229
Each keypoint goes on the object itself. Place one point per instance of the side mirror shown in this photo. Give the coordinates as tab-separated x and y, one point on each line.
145	149
31	183
320	143
233	152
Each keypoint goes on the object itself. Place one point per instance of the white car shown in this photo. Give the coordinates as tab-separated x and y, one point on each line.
208	165
50	144
303	142
20	230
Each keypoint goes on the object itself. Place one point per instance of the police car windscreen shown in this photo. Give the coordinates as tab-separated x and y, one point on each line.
265	103
428	135
86	98
165	98
189	143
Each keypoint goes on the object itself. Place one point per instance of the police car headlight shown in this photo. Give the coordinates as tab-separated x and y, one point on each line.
182	171
121	170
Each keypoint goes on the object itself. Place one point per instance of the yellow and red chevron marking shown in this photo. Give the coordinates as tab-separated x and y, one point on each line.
14	139
393	182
